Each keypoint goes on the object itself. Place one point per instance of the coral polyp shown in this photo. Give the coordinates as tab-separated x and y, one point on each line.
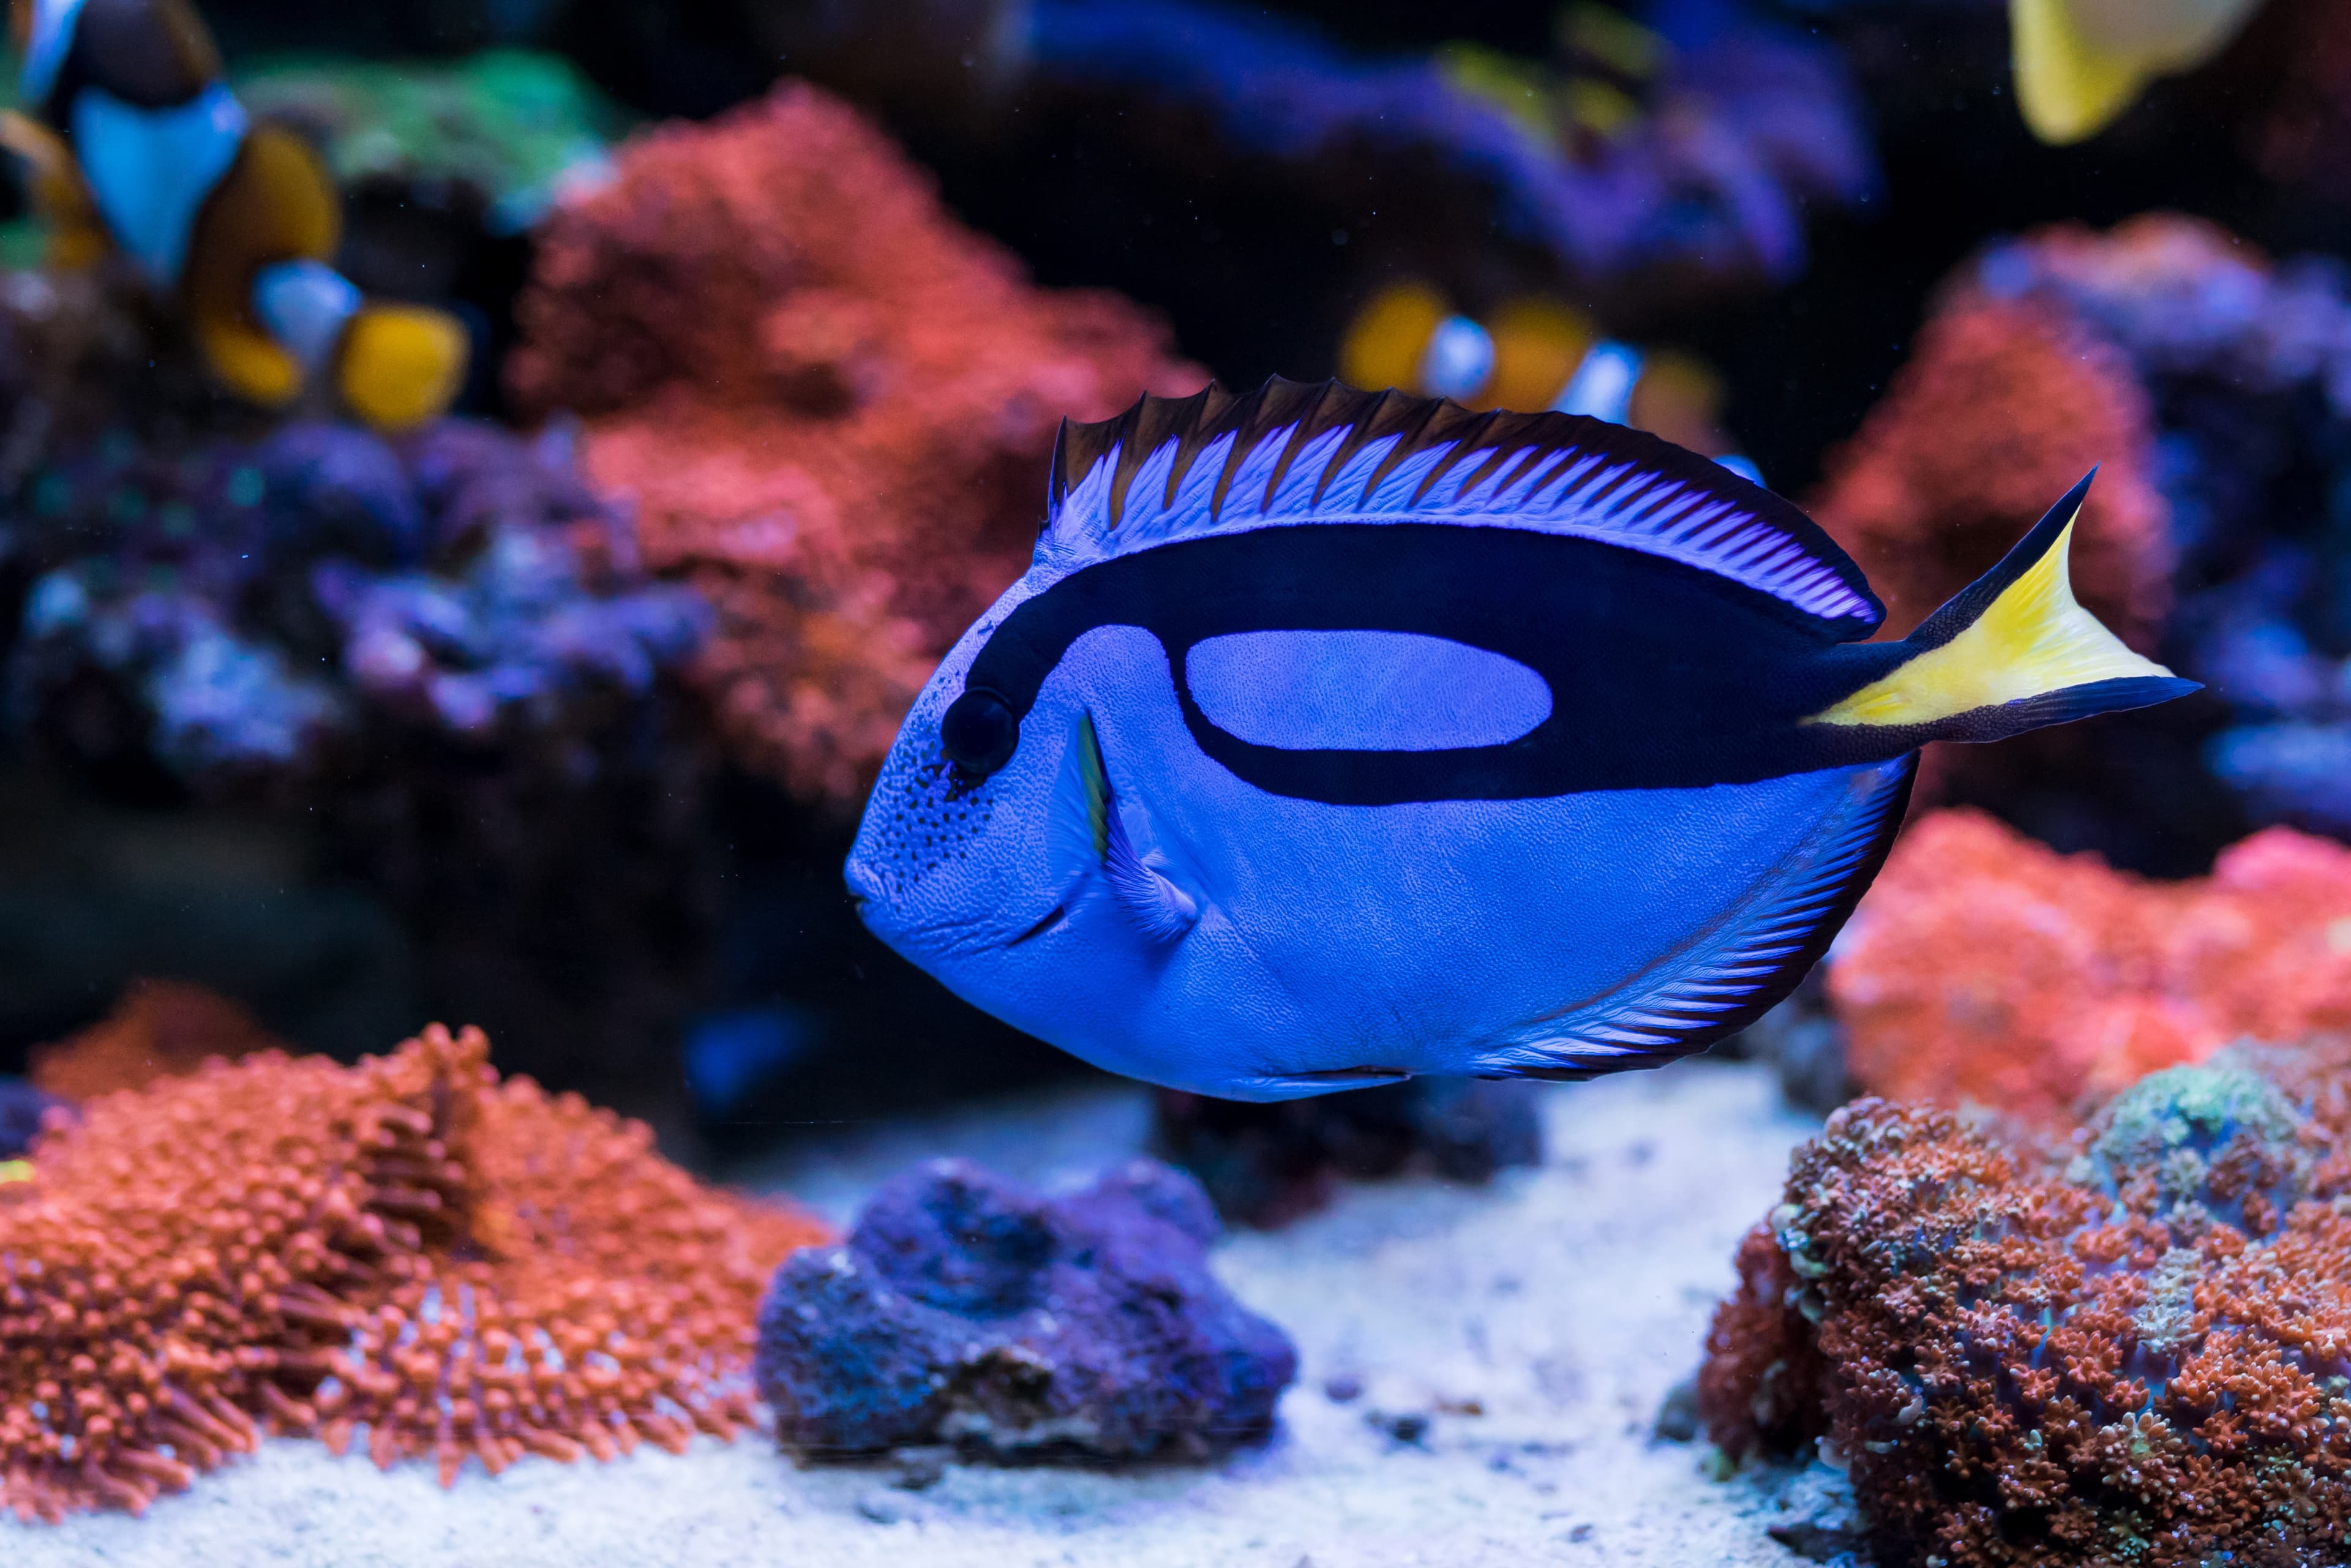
2131	1347
408	1256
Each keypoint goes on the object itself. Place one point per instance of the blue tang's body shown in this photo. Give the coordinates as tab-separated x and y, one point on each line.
1334	737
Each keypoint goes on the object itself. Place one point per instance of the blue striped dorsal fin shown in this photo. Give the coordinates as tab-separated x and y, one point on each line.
1744	969
1296	452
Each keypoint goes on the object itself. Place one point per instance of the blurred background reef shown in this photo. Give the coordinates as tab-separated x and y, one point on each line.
553	715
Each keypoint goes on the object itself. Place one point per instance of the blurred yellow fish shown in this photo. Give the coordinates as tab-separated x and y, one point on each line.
2080	63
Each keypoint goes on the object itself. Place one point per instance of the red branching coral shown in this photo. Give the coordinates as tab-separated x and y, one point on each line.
831	404
158	1029
2001	408
459	1267
2136	1354
1983	966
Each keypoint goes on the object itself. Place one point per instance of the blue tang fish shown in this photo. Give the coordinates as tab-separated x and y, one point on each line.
1332	737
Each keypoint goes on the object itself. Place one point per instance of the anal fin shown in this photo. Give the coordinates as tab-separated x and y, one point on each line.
1735	973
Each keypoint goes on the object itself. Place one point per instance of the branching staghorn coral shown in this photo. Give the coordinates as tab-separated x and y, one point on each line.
457	1267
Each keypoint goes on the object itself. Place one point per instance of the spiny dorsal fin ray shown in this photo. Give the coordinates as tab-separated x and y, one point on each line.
1294	452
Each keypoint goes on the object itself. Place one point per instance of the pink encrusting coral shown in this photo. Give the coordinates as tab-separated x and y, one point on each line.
2135	1348
1985	968
410	1249
831	404
2002	406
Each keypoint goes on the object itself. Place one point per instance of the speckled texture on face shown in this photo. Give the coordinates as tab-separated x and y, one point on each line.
923	815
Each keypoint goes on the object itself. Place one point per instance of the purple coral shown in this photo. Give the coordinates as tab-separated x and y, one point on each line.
966	1308
1749	126
246	604
21	1107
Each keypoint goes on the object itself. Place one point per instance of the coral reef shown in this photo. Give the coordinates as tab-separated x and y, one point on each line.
158	1029
443	650
457	1267
966	1308
1690	150
828	403
521	128
1983	966
1267	1165
2134	1354
2000	409
235	608
2248	364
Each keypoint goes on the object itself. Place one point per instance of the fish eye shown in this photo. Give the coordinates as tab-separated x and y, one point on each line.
979	731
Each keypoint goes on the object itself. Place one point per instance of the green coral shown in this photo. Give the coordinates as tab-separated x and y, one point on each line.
518	126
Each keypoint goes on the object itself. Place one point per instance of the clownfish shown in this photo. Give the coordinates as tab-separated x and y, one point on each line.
1533	353
1334	737
139	146
2080	63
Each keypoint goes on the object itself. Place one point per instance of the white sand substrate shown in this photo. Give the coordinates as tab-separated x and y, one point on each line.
1534	1326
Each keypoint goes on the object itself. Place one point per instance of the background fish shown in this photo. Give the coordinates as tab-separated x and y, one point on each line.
139	145
2080	63
1334	737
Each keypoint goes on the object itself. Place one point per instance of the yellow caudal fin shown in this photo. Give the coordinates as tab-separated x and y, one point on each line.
399	365
2080	63
2013	652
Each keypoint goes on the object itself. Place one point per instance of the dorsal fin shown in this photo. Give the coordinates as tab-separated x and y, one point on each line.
1297	452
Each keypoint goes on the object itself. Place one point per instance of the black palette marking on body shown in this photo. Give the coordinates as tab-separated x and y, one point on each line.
1662	675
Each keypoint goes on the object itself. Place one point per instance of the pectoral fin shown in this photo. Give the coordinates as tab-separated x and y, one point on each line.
1089	835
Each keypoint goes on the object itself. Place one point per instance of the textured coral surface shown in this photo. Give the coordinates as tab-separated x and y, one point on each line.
408	1249
2002	407
2137	1353
1984	967
158	1029
831	403
966	1308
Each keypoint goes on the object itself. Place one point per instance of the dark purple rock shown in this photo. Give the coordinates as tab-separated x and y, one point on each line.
967	1309
1267	1165
21	1105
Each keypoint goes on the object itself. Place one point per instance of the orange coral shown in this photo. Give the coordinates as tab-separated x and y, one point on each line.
2135	1354
2001	408
461	1267
158	1029
1982	967
831	404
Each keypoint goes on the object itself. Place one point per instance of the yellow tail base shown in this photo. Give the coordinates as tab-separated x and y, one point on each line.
2032	639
